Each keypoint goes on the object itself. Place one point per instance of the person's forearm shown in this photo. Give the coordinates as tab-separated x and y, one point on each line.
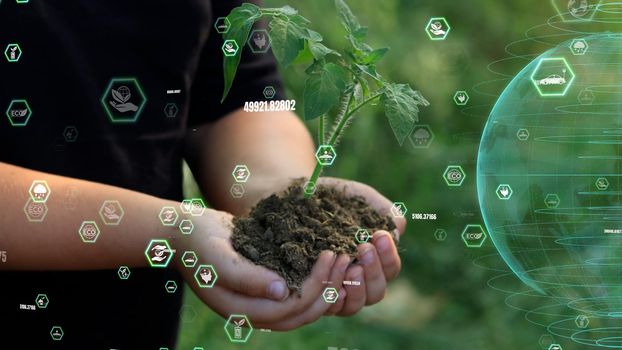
55	242
276	147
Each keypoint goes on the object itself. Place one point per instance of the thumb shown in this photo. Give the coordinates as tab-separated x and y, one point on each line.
238	274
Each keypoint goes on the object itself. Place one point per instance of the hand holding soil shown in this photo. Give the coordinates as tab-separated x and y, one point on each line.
262	295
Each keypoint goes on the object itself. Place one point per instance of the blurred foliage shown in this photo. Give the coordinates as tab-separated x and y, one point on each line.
441	300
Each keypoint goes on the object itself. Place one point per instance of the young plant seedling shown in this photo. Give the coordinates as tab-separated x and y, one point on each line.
339	83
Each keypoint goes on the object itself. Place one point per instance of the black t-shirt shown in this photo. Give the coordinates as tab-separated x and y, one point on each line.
112	87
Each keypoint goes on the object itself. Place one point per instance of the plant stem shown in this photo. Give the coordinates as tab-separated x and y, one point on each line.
321	131
342	123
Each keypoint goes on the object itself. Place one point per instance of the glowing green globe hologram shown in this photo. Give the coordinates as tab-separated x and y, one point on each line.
571	250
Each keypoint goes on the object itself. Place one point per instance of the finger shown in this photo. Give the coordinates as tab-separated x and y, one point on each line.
387	252
376	200
238	274
226	302
320	306
357	296
336	281
311	315
375	282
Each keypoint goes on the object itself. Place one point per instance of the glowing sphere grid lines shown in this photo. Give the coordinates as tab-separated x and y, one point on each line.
569	248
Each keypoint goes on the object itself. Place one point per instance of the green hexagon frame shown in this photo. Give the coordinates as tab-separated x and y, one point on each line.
164	263
141	105
28	114
568	83
201	283
233	339
568	17
45	303
98	231
6	52
451	168
466	231
437	19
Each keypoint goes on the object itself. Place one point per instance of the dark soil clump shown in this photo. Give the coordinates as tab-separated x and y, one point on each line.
287	232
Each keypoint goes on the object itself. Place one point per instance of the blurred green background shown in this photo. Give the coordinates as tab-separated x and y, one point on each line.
441	299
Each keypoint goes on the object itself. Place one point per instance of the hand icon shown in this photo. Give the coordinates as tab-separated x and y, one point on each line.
124	107
504	191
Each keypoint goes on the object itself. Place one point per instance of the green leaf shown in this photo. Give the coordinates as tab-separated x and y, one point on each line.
242	19
375	56
348	20
323	90
401	106
287	35
285	10
319	51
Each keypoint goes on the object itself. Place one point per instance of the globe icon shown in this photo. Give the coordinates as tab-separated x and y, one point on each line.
125	93
549	175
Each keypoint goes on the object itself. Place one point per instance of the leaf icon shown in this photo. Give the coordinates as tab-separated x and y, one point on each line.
117	96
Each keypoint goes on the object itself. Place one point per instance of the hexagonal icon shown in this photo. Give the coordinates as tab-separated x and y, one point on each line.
35	211
238	328
70	134
230	48
89	231
111	212
198	348
124	272
582	321
461	98
189	259
399	210
13	52
42	301
309	187
259	41
186	226
206	276
269	92
545	341
187	313
555	347
19	112
504	192
579	47
326	155
552	77
362	236
474	236
123	100
330	295
437	28
159	253
170	286
552	201
57	333
602	184
522	134
198	207
222	25
168	216
237	190
186	206
421	137
39	191
575	10
586	97
454	175
241	173
440	234
171	110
